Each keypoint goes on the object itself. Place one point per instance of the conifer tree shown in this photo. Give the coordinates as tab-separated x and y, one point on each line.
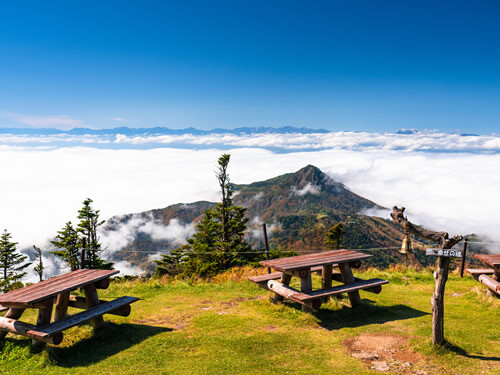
11	263
39	267
219	242
335	236
87	228
69	245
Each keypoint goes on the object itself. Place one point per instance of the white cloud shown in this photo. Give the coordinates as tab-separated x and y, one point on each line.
59	121
119	119
307	189
42	188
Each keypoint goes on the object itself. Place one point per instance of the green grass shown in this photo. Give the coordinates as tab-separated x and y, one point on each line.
233	328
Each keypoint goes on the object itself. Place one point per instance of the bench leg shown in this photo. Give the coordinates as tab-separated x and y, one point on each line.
348	277
12	314
93	300
326	279
306	287
285	280
61	306
44	316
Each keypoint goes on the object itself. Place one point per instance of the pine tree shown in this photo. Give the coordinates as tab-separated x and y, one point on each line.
87	228
335	236
172	263
69	245
219	242
39	267
11	263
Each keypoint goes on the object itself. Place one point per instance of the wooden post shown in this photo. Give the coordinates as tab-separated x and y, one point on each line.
11	314
306	286
44	316
61	306
441	273
266	245
348	277
464	253
93	300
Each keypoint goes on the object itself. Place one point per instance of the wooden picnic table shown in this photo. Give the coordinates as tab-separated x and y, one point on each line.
303	266
55	292
481	275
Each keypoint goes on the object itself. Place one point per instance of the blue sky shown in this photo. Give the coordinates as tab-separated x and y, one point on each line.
360	65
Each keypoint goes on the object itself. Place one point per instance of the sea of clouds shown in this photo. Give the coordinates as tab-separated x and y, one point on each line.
447	181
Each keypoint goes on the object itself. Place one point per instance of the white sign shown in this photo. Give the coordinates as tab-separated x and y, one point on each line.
444	253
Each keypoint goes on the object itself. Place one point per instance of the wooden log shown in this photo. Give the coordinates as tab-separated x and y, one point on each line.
348	278
326	277
92	300
102	284
12	314
286	291
81	303
285	280
23	329
491	283
61	306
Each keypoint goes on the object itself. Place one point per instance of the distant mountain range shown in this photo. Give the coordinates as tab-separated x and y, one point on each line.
160	131
298	209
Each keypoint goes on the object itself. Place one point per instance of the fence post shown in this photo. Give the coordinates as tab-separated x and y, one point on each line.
266	245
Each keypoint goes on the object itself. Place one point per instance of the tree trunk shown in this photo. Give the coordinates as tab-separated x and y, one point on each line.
437	301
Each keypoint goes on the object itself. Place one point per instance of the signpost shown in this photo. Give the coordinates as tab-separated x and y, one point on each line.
444	253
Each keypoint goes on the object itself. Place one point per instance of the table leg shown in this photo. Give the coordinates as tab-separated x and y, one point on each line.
348	277
44	316
12	314
61	306
285	280
93	300
326	278
306	286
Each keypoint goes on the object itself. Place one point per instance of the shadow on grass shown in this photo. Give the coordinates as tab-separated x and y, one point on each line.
364	314
108	341
460	351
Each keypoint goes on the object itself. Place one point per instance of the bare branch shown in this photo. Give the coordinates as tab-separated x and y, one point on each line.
441	238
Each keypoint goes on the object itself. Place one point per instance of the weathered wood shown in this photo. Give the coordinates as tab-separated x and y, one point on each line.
266	245
492	284
102	284
78	302
261	280
3	308
61	306
326	277
339	289
348	278
285	291
306	287
285	280
476	272
30	295
93	300
11	314
464	254
441	273
21	328
44	316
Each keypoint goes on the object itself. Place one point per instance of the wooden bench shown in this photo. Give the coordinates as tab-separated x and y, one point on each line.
54	294
313	299
476	272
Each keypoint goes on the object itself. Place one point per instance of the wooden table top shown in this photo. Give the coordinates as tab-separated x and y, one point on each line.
316	259
492	260
43	290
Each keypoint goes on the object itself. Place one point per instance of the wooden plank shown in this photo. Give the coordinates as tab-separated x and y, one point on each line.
490	259
45	289
291	266
348	278
444	253
283	261
84	316
360	285
21	328
78	302
285	291
265	278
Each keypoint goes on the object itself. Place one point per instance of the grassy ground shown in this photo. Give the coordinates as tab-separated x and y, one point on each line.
231	327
